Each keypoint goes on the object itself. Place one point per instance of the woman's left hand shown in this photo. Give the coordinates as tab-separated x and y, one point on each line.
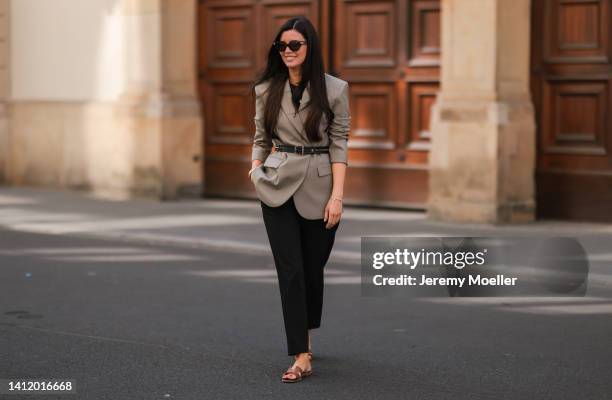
333	211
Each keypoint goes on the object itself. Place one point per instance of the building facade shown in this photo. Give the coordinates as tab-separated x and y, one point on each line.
475	110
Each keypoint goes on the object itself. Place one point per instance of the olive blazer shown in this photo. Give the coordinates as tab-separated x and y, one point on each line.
308	177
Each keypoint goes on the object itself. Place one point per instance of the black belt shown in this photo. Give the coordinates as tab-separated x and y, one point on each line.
302	149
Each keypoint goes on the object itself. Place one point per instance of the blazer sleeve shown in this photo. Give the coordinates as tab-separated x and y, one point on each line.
261	147
340	127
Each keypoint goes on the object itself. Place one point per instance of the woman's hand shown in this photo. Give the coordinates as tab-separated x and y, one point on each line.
333	211
255	164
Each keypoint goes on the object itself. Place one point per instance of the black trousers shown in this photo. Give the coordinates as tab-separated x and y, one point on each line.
300	248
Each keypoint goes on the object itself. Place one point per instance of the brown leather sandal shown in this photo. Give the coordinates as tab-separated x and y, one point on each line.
297	372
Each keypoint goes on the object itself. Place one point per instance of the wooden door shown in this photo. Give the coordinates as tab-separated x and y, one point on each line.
234	38
572	93
389	52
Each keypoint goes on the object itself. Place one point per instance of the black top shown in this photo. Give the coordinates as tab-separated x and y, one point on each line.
296	94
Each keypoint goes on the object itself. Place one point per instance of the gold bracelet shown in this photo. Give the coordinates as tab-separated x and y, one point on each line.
337	198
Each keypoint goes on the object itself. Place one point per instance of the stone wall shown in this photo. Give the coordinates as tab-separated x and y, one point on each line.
105	101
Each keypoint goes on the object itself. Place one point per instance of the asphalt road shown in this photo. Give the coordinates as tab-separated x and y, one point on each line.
132	321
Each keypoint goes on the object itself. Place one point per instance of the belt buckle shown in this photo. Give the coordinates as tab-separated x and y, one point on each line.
302	146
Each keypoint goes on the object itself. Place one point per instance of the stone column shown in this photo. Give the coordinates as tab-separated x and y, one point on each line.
4	89
159	108
483	131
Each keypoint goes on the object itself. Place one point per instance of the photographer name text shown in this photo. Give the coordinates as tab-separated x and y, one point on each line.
423	280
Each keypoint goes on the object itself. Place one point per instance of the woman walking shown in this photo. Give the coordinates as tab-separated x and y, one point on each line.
299	161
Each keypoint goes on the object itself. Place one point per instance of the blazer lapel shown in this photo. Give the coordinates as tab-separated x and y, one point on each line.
296	119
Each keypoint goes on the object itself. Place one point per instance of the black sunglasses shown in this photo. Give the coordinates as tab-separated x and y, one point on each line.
294	45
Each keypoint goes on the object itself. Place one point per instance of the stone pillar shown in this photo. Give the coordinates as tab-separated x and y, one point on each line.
182	129
159	109
482	159
4	89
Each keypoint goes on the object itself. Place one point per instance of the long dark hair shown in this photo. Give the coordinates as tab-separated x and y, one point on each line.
312	71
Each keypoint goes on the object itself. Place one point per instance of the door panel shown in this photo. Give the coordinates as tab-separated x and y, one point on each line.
572	92
389	52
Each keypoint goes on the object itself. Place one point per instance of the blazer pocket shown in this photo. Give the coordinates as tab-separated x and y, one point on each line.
273	161
324	169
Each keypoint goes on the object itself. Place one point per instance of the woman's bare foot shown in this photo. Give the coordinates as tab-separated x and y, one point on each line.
303	362
305	369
